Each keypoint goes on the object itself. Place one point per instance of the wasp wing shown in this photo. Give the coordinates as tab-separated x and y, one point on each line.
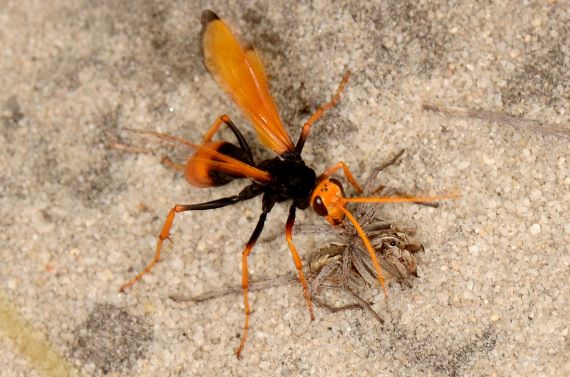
207	157
207	160
240	73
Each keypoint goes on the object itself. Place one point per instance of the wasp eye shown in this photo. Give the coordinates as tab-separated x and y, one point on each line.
319	206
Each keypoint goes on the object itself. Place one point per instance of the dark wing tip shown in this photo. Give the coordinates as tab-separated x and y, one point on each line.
207	17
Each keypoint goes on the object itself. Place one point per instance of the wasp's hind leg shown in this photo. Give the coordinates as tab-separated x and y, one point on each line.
245	278
200	169
267	205
241	140
166	161
248	192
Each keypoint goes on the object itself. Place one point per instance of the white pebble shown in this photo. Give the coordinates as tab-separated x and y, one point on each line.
474	249
535	195
463	165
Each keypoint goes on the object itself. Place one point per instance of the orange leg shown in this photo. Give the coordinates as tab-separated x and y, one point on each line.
245	278
216	127
327	173
247	193
166	161
320	112
164	234
297	259
130	149
206	139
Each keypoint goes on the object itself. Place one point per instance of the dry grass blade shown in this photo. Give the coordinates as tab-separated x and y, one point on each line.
499	117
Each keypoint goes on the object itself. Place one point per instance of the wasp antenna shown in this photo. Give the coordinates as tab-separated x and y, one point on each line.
215	158
369	247
400	199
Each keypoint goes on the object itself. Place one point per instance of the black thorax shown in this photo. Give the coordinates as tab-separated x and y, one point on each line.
291	179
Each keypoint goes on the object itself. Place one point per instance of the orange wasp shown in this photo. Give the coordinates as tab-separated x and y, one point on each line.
285	177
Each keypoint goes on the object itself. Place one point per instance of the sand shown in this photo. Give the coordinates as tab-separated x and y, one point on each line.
79	218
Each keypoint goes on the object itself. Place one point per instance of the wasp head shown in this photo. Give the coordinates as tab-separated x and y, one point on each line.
327	201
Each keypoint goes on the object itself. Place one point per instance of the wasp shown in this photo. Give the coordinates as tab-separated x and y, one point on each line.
239	72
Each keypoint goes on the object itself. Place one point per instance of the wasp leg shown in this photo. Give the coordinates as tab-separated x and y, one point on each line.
165	160
168	163
245	277
319	113
327	173
241	140
297	259
248	192
113	143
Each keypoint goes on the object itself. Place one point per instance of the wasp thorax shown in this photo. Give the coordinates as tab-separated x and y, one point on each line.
327	200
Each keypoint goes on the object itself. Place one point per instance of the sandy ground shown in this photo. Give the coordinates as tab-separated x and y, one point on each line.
78	218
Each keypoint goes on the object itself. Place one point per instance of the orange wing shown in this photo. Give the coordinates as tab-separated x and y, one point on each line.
240	73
